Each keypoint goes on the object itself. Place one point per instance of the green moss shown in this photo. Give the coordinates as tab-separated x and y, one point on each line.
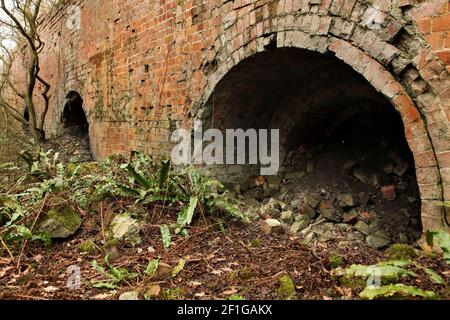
172	294
111	243
354	283
286	289
88	246
255	242
236	297
400	251
68	216
335	260
60	222
246	274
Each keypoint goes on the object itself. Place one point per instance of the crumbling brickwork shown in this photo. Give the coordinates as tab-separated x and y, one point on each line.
146	67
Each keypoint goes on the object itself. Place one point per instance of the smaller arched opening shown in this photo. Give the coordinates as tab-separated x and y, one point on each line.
73	113
75	129
26	115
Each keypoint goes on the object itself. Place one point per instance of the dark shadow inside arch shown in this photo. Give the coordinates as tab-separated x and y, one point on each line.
75	129
26	115
339	138
73	114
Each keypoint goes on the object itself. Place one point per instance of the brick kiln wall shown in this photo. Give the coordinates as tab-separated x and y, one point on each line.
146	67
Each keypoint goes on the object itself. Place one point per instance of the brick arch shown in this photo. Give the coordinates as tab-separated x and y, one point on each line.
417	134
70	97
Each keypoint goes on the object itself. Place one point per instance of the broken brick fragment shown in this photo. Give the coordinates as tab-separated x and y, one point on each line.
388	192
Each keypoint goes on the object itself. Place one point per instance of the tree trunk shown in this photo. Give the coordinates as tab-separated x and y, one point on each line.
37	134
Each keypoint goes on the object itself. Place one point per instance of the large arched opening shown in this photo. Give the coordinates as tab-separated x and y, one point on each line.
73	113
338	137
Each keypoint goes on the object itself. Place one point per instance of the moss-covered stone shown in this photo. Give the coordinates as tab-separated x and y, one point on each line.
286	289
400	251
125	229
60	223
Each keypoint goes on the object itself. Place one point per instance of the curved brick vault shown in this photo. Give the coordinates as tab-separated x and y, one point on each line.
145	68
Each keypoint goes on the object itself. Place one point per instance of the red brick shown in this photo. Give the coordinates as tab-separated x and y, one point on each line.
426	159
436	39
444	159
444	56
388	192
424	25
406	107
441	23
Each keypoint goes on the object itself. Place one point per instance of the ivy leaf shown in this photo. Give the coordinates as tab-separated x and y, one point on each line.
97	267
152	267
179	267
187	213
139	178
442	239
166	237
104	285
44	238
396	290
164	173
435	277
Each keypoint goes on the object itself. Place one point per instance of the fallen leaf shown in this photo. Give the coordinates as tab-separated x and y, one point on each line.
102	296
38	257
200	295
50	289
230	292
152	292
195	283
4	271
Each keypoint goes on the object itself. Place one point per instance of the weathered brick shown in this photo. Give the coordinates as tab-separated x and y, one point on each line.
407	109
441	23
428	175
336	6
428	159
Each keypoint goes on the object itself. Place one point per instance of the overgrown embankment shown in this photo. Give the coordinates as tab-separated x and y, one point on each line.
141	229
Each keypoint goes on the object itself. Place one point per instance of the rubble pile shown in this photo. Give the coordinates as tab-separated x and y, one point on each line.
339	192
72	144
